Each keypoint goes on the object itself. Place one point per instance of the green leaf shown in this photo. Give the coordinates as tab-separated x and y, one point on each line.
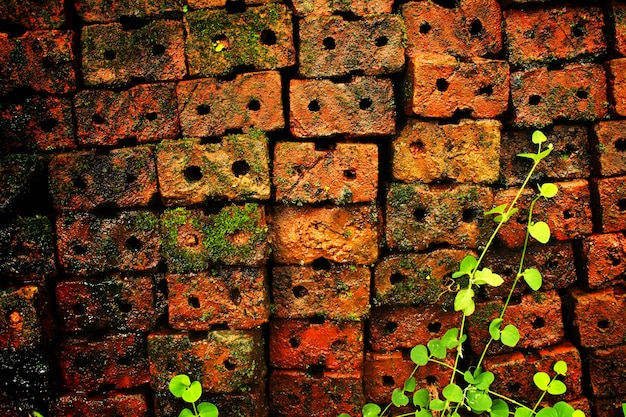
484	380
478	401
563	409
509	335
464	301
540	231
344	415
557	387
410	384
497	210
486	276
423	413
494	328
547	412
421	398
499	409
548	190
560	367
398	398
371	410
533	278
451	338
437	348
453	393
185	412
179	384
624	408
466	267
523	412
545	153
538	137
541	380
419	355
437	405
578	413
506	216
193	393
207	410
532	156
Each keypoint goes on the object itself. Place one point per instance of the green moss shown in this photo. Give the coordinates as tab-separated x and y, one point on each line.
37	230
401	194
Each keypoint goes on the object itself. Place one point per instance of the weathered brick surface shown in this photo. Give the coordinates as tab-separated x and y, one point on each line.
329	7
471	28
617	84
596	317
260	37
610	199
21	182
210	107
364	106
131	405
419	216
27	248
48	14
343	173
188	169
465	152
610	148
604	257
437	85
21	311
251	403
617	19
609	407
607	371
94	11
332	46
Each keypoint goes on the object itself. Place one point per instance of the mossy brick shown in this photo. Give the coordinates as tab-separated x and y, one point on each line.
343	234
145	113
218	4
542	96
514	372
596	316
617	26
27	248
306	8
21	177
41	60
87	180
570	158
469	28
113	56
295	393
607	371
332	46
609	152
544	35
48	14
466	152
616	84
305	172
252	403
235	297
568	214
316	343
237	169
260	37
604	258
93	11
111	405
211	107
121	303
337	292
37	123
419	216
89	245
609	196
437	85
417	279
21	320
363	106
224	361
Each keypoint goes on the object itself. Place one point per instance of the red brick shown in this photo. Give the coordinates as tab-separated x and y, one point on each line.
541	36
21	312
113	56
330	7
338	292
617	21
610	148
210	107
27	248
364	106
188	169
302	344
419	215
597	317
609	407
118	360
259	37
304	172
607	371
298	394
22	182
332	46
617	84
111	405
249	403
338	234
235	235
94	11
465	152
604	256
235	297
41	60
48	14
437	85
575	93
145	113
610	197
89	245
471	28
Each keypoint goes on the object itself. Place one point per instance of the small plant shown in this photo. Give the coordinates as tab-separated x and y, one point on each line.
182	387
469	388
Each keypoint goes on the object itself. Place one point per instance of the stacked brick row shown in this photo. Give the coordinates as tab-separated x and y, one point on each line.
272	198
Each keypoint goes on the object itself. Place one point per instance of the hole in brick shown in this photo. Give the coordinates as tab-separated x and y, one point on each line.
348	16
431	380
13	29
124	306
442	84
329	43
130	178
381	41
582	94
193	173
240	168
534	100
98	119
191	240
603	324
300	291
434	327
318	319
124	361
578	29
158	49
78	309
620	144
151	116
388	381
110	55
235	6
615	259
538	323
220	42
419	214
513	387
567	214
469	215
621	205
417	147
79	182
193	302
476	27
447	4
132	22
425	28
48	125
325	146
254	105
268	37
349	174
508	271
397	278
391	327
229	365
339	344
314	105
220	326
235	296
294	342
79	249
133	244
321	264
315	371
365	103
203	109
486	90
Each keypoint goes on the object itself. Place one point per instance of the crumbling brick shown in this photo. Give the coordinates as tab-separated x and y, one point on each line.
113	404
27	248
597	317
94	11
21	312
604	257
609	407
610	200
349	7
250	403
610	148
617	84
617	28
48	14
607	371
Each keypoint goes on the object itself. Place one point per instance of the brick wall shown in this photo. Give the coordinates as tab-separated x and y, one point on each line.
254	193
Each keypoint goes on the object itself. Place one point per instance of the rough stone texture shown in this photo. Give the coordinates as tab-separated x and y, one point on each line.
21	312
607	371
617	19
617	84
610	148
465	152
250	403
604	257
27	248
610	199
131	405
609	407
596	317
94	11
349	7
48	14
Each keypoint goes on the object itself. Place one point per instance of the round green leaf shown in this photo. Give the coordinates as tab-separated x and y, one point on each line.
398	398
437	405
548	190
486	276
478	401
207	410
541	380
467	266
179	384
547	412
410	384
560	367
578	413
421	398
451	338
419	355
533	278
494	328
484	380
538	137
509	335
344	415
423	413
563	409
540	231
193	393
499	409
468	377
186	413
523	412
464	301
437	348
557	387
453	393
371	410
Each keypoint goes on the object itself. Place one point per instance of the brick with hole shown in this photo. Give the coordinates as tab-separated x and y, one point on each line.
466	152
419	216
616	21
111	405
332	46
338	292
437	85
142	114
127	241
212	107
296	393
610	148
350	8
306	172
117	361
316	343
541	96
88	180
27	248
610	200
235	297
604	257
607	371
596	316
129	12
363	106
113	56
40	60
469	28
541	36
617	84
224	361
218	42
342	234
22	318
48	14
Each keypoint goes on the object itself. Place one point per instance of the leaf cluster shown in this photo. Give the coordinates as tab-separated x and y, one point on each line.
182	387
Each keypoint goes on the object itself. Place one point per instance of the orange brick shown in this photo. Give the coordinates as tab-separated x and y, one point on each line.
113	404
21	325
604	257
617	84
616	14
49	14
597	316
94	11
349	7
610	200
607	371
610	148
